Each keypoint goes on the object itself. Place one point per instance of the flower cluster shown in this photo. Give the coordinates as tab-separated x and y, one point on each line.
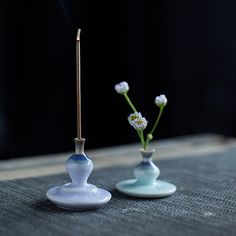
136	119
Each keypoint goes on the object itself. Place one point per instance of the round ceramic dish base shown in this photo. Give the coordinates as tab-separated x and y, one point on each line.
72	197
157	189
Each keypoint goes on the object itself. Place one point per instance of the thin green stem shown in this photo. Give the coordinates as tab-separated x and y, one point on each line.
147	142
143	141
140	134
145	145
157	120
129	102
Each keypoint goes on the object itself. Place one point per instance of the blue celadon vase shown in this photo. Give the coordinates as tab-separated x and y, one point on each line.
145	184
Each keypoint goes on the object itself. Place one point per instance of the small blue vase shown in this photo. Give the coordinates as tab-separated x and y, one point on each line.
79	194
146	185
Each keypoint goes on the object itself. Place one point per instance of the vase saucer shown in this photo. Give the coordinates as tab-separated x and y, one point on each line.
157	189
73	197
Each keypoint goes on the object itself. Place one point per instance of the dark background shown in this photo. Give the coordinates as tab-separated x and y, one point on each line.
184	49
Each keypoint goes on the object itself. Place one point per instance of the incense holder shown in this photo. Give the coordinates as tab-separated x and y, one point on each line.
146	185
79	194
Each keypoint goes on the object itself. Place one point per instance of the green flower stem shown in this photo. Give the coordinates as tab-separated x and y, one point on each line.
145	145
143	141
157	120
140	134
148	138
129	102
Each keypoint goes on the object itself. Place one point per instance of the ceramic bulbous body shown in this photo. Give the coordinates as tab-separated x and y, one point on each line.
146	172
79	168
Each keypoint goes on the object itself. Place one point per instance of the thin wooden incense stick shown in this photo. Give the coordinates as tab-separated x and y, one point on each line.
78	85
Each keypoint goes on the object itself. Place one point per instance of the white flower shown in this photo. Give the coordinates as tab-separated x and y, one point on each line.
161	100
140	124
134	116
122	87
137	121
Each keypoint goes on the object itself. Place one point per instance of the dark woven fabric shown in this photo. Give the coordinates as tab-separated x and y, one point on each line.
204	204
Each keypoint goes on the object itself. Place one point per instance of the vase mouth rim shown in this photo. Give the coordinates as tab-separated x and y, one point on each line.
148	150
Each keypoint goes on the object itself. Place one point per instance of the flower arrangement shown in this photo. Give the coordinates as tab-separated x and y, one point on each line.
136	119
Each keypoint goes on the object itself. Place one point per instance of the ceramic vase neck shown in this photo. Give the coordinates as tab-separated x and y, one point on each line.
147	154
79	145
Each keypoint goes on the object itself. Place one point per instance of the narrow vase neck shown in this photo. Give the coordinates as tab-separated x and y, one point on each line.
147	154
79	145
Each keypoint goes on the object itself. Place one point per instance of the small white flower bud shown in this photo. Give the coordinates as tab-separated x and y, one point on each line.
161	100
122	87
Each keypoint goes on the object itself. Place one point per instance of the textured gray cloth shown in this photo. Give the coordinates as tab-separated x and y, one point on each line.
204	204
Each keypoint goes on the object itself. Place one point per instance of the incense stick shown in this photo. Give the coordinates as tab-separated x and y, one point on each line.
78	84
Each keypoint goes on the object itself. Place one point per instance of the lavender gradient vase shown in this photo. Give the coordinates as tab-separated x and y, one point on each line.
146	185
79	194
